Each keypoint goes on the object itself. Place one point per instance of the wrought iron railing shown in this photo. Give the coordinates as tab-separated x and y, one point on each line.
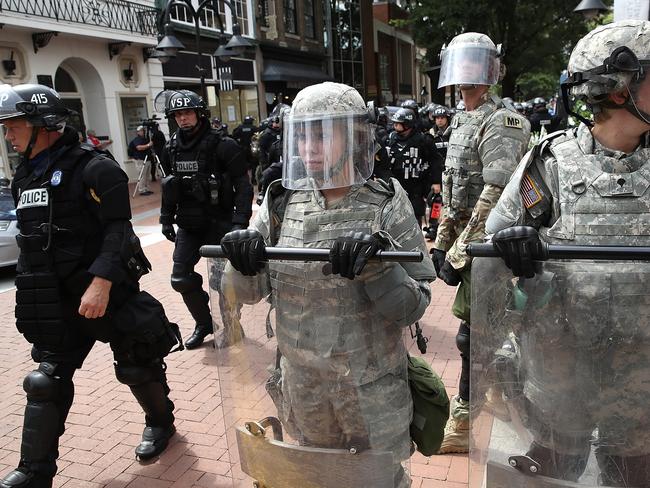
114	14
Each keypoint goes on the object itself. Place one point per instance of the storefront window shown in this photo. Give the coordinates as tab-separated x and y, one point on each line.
134	111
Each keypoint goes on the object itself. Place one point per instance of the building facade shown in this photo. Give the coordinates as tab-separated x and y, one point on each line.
94	53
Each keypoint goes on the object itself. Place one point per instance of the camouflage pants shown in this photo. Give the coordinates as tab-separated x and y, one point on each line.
330	413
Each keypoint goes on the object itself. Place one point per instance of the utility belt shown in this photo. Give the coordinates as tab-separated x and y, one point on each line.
39	313
461	189
202	188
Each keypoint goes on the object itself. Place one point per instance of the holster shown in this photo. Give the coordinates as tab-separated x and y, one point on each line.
146	333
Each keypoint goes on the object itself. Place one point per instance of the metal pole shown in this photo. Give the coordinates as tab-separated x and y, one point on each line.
308	254
565	251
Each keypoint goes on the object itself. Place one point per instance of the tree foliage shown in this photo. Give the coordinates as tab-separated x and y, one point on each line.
537	36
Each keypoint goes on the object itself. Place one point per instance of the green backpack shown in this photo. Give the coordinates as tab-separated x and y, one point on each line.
430	406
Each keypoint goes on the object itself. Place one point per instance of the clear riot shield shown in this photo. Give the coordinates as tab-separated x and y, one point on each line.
315	394
560	375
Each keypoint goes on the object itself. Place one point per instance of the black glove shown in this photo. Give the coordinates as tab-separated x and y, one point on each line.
449	274
169	232
520	246
246	251
350	253
438	258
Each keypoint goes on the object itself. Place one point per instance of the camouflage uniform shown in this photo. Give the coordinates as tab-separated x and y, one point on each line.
344	365
574	190
584	345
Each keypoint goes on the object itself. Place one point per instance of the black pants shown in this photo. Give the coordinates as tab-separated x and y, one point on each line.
49	401
189	283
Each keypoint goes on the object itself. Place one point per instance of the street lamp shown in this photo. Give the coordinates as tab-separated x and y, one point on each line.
170	45
590	9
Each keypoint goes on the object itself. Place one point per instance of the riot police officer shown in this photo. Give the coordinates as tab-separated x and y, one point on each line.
541	118
487	140
207	194
585	372
410	157
243	134
438	137
77	280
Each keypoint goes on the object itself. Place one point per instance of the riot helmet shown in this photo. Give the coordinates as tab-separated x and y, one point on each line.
404	116
460	106
411	104
328	139
441	111
40	105
249	120
519	107
609	59
382	116
539	103
170	101
470	59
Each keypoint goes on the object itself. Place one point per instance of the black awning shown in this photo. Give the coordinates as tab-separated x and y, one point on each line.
287	71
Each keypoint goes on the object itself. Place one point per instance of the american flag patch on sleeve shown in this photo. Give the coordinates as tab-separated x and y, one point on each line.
529	192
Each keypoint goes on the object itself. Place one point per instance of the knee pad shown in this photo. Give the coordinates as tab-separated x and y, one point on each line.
186	282
40	386
133	375
463	338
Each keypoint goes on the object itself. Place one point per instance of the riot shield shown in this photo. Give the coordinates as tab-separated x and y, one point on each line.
560	375
315	394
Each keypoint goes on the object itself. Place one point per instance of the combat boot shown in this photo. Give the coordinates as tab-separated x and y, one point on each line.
457	429
199	334
21	477
229	337
154	441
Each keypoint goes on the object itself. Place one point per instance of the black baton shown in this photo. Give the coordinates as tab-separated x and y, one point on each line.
565	251
303	254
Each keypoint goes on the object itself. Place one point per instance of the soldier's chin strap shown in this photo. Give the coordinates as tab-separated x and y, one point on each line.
32	141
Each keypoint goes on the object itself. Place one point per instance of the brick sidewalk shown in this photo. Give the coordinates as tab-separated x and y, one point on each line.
105	422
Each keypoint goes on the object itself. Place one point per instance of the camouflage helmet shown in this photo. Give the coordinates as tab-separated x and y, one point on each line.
470	59
602	63
328	98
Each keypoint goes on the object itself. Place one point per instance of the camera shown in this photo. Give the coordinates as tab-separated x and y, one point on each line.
150	123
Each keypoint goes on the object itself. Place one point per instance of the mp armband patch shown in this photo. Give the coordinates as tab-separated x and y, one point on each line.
513	122
529	192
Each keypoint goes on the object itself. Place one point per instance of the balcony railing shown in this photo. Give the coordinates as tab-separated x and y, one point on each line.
114	14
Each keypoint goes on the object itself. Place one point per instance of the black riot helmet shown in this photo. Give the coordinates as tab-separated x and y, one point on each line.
539	103
410	103
39	104
404	116
170	101
441	111
249	120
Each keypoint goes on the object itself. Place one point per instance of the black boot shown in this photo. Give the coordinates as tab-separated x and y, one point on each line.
154	441
200	333
23	478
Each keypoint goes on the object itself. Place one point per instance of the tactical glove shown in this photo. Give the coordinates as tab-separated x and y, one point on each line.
169	232
350	253
245	249
520	247
438	258
449	274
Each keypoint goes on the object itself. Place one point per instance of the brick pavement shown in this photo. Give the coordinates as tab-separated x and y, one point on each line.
105	422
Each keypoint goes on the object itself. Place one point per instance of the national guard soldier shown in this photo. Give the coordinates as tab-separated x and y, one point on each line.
207	194
77	277
486	143
410	156
583	336
341	384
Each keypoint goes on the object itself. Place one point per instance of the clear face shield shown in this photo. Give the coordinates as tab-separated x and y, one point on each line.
469	65
324	151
